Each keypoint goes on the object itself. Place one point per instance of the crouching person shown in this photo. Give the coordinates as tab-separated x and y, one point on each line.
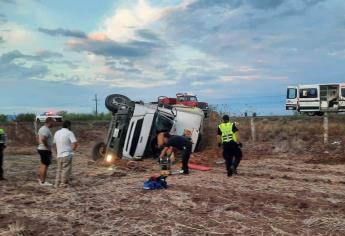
66	143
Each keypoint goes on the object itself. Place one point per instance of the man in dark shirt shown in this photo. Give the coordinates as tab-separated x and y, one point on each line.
181	143
228	137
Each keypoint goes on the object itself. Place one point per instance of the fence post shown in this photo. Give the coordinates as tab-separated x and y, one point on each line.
325	129
252	128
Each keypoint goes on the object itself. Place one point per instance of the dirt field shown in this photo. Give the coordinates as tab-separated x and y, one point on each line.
277	192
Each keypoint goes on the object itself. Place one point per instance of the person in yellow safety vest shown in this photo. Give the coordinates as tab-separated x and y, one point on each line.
2	147
228	137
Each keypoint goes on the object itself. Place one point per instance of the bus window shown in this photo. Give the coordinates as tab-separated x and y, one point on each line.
308	93
291	93
343	92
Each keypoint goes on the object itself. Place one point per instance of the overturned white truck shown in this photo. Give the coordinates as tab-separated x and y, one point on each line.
134	127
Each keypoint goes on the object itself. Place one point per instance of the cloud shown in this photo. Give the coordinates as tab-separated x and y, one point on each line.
126	19
233	4
63	32
39	56
110	48
147	34
3	19
121	66
8	1
17	71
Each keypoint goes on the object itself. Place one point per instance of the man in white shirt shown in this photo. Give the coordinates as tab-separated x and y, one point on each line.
66	143
44	149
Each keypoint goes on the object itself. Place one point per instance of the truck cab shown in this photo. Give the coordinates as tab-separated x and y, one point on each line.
186	99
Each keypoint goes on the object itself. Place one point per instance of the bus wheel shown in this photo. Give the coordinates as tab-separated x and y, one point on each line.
311	113
320	113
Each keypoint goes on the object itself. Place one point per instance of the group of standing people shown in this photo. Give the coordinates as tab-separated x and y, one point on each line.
65	143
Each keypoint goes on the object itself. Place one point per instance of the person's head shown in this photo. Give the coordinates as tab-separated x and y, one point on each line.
226	118
66	124
166	136
49	122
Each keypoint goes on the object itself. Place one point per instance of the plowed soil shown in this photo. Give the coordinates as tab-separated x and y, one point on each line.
275	193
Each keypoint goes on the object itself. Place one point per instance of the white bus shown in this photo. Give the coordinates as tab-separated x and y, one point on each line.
316	99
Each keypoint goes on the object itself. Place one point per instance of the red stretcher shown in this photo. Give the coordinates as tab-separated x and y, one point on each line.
198	167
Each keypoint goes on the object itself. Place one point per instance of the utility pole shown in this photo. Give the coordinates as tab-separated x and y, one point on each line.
96	103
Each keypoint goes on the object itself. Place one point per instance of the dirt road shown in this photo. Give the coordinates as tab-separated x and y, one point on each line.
275	195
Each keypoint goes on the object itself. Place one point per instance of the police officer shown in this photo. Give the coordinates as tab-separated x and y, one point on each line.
2	147
228	137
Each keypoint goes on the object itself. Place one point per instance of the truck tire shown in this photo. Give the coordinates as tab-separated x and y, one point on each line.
98	151
115	102
311	113
320	113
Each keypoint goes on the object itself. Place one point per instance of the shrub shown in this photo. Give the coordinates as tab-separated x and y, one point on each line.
86	116
25	117
3	118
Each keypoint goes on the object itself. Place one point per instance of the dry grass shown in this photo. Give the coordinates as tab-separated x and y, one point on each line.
281	190
271	196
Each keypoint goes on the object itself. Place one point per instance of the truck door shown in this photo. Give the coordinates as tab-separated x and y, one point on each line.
291	98
137	136
309	99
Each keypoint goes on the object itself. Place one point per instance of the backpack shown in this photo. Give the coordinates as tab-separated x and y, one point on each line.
156	183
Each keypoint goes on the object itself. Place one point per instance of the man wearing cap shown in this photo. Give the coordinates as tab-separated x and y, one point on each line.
228	137
2	147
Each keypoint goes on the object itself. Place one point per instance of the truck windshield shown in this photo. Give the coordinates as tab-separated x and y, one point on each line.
343	92
291	93
191	99
163	123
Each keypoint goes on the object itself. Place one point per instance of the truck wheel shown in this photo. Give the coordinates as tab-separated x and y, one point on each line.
115	102
98	151
311	113
320	113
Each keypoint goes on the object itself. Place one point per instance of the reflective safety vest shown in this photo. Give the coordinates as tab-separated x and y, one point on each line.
227	134
2	136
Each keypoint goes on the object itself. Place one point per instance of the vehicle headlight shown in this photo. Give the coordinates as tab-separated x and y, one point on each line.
109	158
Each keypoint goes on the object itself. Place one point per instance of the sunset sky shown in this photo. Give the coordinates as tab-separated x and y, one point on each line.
56	54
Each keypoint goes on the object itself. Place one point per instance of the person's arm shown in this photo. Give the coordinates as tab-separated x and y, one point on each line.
219	139
44	140
74	143
163	152
74	146
237	133
166	150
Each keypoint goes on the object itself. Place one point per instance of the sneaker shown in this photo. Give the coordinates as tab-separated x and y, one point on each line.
45	184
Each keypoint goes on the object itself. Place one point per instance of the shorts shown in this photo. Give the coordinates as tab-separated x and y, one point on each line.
46	157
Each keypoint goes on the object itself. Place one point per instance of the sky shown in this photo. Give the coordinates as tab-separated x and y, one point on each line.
237	54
